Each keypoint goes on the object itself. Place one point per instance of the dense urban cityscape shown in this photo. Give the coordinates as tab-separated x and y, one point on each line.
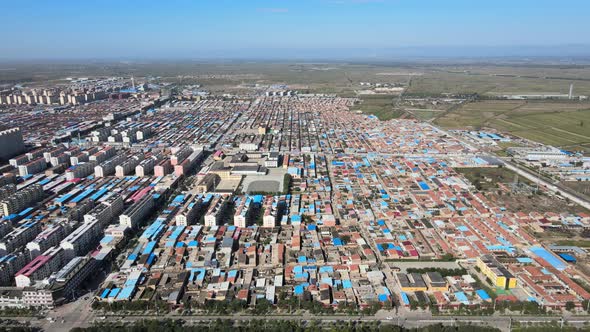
129	196
295	166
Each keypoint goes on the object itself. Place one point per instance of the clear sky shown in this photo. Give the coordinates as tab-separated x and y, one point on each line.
302	28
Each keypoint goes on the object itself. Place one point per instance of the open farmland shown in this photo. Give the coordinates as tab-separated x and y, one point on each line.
562	124
500	80
477	114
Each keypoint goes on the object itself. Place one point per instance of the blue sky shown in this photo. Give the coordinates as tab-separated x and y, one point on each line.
251	28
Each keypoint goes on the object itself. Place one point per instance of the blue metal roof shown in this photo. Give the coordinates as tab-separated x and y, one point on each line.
114	292
549	258
105	293
98	194
149	248
483	294
25	212
423	185
83	195
405	298
125	294
567	257
461	297
298	290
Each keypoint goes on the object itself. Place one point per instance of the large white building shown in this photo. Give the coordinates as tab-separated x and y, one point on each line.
137	212
241	214
106	211
49	237
81	240
128	166
188	212
32	167
80	170
214	211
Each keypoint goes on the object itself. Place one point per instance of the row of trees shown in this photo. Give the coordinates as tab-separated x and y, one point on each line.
20	312
226	325
444	272
138	305
262	307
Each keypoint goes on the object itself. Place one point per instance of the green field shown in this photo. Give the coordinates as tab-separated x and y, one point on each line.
425	115
578	243
497	80
562	124
379	105
569	131
477	114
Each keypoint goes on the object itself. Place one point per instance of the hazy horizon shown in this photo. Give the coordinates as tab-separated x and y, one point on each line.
404	54
284	29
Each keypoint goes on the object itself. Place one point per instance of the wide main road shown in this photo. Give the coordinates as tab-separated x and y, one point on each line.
555	187
407	319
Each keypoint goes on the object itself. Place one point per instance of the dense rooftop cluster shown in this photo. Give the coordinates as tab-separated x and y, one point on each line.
266	198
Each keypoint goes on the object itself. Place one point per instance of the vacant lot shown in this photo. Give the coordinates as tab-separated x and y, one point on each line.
271	182
487	179
379	105
562	124
264	186
495	184
582	187
424	114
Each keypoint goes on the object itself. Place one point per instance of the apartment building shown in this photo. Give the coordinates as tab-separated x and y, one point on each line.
135	213
163	168
102	155
80	170
7	190
19	237
145	167
49	237
22	199
41	267
128	166
79	158
188	212
10	264
81	239
11	141
69	277
32	167
107	167
215	211
242	212
106	211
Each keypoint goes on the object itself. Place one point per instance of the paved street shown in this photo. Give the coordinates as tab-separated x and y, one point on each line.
79	314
